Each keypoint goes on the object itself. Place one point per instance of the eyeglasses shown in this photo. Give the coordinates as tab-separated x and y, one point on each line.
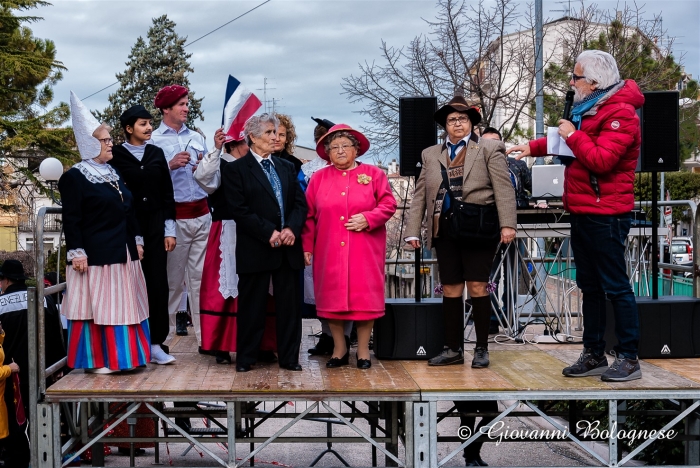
107	141
336	149
456	120
575	77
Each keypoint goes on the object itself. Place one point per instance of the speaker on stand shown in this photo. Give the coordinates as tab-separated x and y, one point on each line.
660	152
417	131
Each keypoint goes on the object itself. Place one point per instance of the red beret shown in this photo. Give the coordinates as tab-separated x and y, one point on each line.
168	96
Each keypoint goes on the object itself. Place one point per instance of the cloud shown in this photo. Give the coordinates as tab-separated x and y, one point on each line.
303	48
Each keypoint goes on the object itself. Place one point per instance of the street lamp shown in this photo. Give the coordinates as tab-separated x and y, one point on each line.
51	170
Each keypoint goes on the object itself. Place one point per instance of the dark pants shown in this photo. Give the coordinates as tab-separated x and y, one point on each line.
598	244
472	450
252	303
155	271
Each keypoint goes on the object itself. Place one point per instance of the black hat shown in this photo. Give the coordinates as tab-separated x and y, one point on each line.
12	270
457	104
323	122
133	113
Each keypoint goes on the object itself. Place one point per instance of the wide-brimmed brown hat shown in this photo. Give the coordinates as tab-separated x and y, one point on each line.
457	104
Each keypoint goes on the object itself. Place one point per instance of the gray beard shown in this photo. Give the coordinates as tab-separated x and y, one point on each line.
579	96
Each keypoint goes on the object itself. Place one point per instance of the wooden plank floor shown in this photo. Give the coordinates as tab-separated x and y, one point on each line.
521	368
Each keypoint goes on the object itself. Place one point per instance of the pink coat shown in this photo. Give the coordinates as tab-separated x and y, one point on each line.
348	266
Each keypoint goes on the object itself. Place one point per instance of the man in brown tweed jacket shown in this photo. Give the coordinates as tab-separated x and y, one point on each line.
477	173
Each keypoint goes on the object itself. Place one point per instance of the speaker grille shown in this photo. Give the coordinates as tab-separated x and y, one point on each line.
660	150
417	131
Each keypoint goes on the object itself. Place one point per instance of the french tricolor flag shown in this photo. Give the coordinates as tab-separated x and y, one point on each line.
240	105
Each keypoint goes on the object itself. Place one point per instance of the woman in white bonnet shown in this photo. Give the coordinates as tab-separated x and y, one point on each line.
106	302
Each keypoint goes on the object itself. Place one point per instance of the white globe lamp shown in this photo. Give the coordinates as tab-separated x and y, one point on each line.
51	169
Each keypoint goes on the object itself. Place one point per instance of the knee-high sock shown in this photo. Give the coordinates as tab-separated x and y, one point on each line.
453	315
481	313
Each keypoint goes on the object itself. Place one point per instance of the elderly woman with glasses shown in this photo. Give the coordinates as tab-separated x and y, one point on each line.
106	301
349	205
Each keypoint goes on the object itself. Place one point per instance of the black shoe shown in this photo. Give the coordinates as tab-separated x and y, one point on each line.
127	451
324	346
587	364
364	363
337	362
296	367
475	461
481	358
447	357
181	324
206	352
267	356
243	367
622	370
223	357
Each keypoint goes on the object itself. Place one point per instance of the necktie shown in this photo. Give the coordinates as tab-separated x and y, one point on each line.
453	154
276	184
455	148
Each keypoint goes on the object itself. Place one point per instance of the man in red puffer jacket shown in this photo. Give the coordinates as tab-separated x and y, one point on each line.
605	137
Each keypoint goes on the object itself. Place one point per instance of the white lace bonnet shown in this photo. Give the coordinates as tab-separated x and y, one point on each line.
84	124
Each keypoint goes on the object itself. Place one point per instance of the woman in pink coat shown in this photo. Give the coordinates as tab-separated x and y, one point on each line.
349	204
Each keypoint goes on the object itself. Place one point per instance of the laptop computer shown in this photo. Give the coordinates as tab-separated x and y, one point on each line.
547	181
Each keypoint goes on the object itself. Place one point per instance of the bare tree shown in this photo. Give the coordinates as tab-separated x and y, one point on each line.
487	52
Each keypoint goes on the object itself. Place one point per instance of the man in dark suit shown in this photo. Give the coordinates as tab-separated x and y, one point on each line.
269	209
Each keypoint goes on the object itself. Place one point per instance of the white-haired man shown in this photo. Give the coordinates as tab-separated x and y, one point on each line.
269	209
605	137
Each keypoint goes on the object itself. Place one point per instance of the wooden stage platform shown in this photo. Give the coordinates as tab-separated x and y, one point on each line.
514	369
396	402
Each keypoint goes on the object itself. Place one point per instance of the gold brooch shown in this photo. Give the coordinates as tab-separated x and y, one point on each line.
364	179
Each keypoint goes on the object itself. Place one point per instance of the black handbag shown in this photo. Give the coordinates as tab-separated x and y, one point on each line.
469	221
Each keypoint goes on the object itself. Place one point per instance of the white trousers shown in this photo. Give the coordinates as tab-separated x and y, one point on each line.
186	263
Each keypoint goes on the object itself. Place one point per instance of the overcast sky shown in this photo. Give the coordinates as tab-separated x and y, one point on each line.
303	48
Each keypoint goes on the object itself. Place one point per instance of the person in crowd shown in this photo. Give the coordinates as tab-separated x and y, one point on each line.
324	346
219	303
345	233
605	137
478	174
269	209
183	149
286	137
13	311
106	304
6	371
145	172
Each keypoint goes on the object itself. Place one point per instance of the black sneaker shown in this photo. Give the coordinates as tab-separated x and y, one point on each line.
481	358
181	324
622	370
588	364
447	357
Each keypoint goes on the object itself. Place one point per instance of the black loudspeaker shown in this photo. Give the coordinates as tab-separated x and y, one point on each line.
410	330
669	327
659	119
417	131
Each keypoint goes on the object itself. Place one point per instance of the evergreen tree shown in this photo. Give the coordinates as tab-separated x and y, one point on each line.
160	62
28	70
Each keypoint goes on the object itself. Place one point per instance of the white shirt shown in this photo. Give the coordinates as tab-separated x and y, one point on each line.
171	142
138	152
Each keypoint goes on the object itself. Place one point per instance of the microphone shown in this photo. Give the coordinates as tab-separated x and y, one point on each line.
568	103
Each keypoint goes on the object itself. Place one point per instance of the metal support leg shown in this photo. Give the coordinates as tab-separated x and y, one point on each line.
45	441
422	435
232	428
393	427
612	441
408	430
692	447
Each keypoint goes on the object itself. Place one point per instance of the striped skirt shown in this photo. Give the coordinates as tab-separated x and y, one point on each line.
116	347
107	294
